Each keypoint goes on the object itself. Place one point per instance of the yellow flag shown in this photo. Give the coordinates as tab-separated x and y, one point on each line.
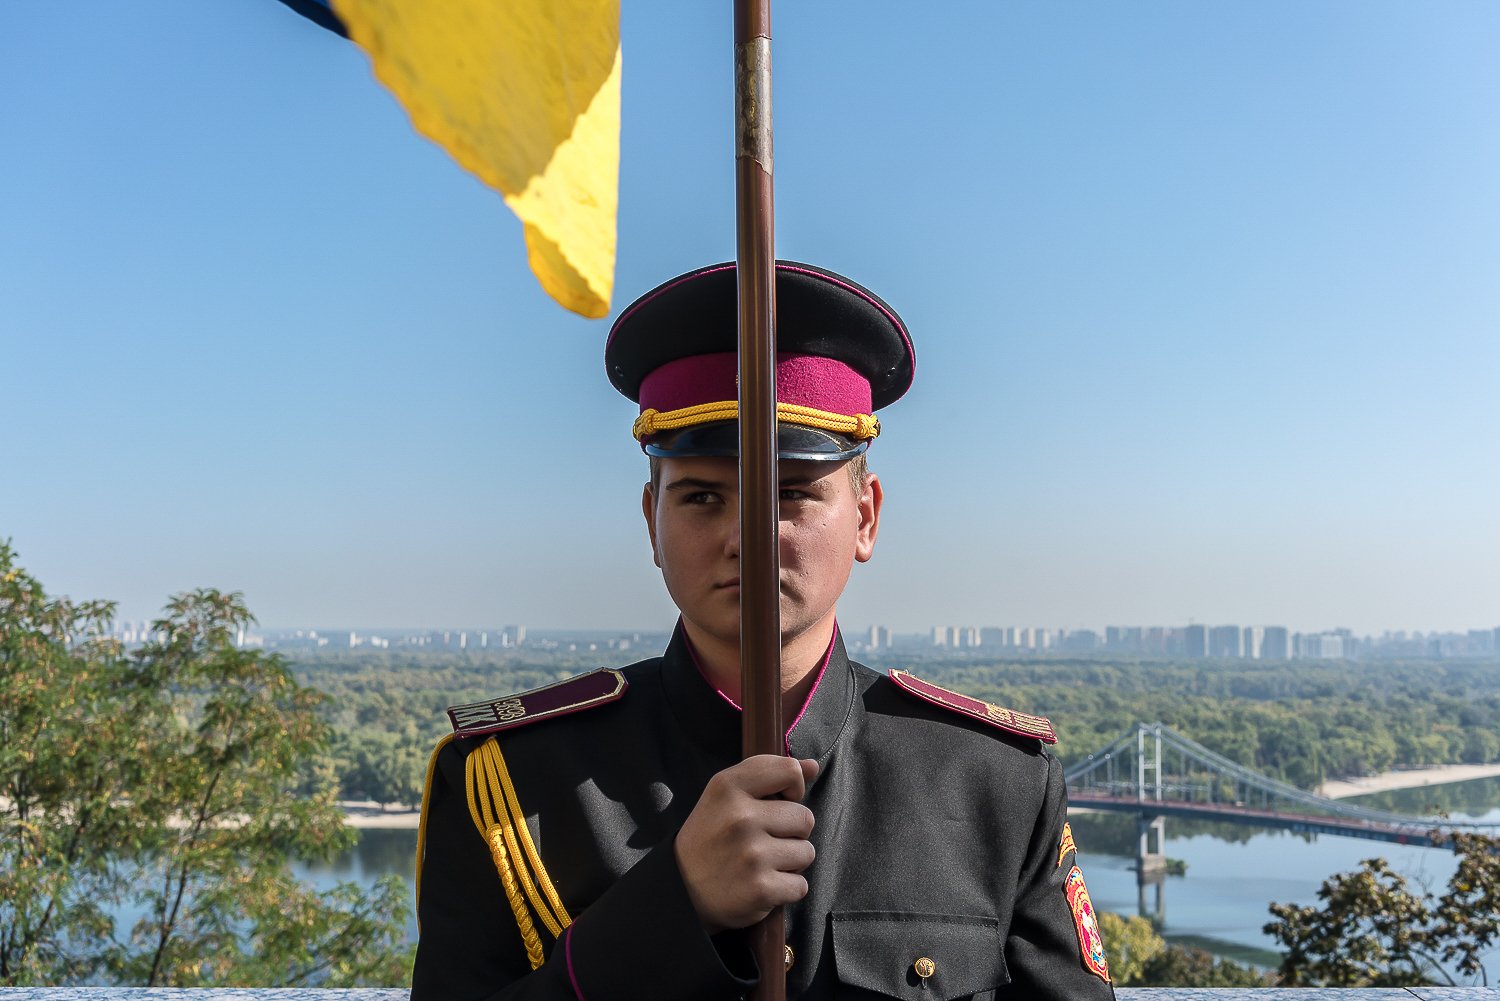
526	95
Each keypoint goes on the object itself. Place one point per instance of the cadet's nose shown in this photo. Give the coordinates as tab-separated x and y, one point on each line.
732	539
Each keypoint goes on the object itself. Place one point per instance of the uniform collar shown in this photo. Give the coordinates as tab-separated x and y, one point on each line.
713	720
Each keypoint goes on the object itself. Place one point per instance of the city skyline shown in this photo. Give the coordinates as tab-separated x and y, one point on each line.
1193	641
1202	298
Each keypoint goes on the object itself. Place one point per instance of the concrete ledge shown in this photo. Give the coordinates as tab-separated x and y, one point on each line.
1125	993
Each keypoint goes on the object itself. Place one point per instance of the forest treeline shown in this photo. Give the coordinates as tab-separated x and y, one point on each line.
1300	721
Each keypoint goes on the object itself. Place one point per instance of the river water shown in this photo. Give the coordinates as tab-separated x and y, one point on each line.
1233	872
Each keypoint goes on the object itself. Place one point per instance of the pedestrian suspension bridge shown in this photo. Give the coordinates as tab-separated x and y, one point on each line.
1155	772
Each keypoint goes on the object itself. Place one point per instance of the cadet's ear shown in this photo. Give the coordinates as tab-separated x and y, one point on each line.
870	500
648	508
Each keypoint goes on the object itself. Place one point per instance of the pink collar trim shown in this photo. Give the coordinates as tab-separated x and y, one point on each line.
822	669
698	666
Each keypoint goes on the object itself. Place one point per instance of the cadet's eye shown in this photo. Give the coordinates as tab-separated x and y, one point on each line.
793	494
700	497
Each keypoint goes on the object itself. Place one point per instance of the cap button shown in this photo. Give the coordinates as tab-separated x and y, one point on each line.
791	957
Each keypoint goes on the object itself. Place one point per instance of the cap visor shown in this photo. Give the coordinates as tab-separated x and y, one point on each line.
793	441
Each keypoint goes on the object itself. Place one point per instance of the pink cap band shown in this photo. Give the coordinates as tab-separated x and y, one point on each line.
801	379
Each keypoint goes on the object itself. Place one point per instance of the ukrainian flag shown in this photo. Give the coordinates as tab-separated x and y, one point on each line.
525	94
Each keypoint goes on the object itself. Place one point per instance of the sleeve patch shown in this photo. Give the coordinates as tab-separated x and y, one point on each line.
1009	720
1066	845
1090	941
573	695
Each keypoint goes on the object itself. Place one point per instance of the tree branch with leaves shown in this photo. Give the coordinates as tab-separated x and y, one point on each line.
171	781
1371	929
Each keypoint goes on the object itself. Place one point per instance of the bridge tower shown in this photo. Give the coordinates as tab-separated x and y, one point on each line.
1150	856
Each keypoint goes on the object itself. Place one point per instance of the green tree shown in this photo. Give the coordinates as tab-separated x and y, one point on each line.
1176	966
1372	930
170	782
1481	746
1139	957
1466	919
1129	943
62	790
386	767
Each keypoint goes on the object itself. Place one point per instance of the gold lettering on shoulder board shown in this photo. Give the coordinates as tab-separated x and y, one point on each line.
508	710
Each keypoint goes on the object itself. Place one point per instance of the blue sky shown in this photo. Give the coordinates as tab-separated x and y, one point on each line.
1204	296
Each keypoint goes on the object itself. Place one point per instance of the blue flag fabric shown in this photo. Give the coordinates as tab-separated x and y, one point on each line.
320	12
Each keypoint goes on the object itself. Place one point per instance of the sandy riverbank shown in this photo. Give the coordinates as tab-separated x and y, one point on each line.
369	815
1407	779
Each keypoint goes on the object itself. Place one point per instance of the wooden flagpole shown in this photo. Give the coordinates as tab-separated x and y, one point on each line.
760	603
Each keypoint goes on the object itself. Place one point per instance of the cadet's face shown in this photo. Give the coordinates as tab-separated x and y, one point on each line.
695	535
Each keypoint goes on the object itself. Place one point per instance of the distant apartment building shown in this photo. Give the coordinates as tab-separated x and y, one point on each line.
1225	641
1163	641
1252	641
956	637
1196	641
1276	644
1319	646
132	633
1079	641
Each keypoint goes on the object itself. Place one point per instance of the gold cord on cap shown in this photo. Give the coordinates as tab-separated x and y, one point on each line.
858	426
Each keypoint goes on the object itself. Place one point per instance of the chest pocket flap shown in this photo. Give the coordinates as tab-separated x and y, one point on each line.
886	952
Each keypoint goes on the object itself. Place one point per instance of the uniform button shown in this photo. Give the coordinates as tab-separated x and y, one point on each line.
924	967
791	957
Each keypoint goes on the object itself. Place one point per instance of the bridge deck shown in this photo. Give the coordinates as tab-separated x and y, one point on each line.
1299	822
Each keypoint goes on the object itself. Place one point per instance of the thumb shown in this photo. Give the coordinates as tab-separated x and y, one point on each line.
810	769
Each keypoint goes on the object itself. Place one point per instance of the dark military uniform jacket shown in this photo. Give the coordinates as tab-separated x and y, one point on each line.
938	837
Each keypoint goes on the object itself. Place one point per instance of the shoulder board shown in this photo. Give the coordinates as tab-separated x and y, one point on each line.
573	695
1021	724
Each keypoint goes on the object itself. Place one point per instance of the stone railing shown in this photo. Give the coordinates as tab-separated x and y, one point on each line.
1125	993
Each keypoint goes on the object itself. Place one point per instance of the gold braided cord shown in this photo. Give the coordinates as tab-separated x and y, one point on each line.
652	421
479	799
548	919
529	936
532	855
859	426
484	796
493	763
422	821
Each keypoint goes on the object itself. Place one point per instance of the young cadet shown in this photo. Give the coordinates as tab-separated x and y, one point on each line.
599	839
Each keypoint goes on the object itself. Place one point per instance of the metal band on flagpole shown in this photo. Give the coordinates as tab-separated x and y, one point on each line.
760	610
